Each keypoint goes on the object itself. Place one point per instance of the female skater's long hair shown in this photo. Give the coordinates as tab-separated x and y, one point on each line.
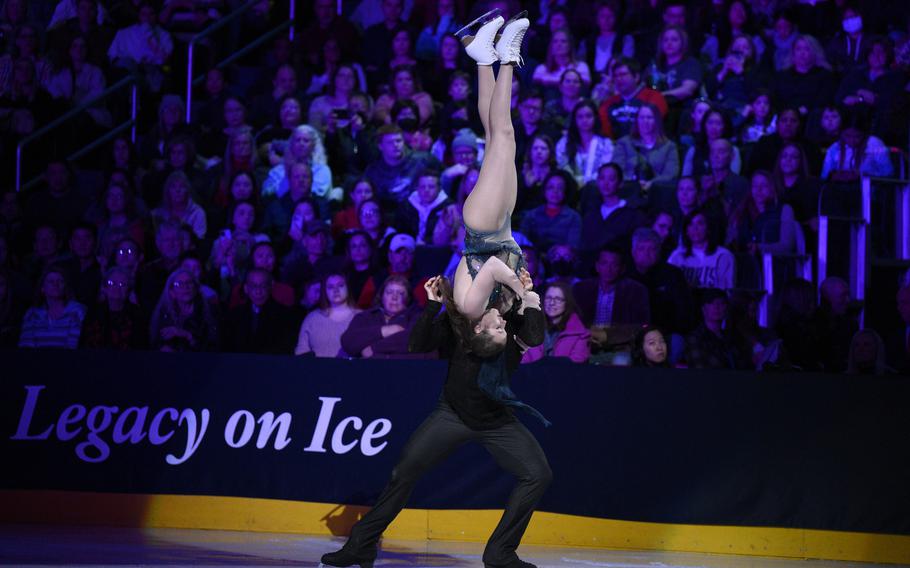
480	344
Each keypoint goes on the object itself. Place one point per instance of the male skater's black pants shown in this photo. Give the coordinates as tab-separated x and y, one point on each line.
512	446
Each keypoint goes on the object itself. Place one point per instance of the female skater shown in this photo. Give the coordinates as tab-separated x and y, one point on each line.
466	412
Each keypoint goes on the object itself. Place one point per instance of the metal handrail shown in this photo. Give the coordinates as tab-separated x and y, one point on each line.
54	124
217	25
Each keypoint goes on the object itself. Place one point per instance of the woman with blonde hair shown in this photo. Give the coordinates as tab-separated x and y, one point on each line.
304	145
806	82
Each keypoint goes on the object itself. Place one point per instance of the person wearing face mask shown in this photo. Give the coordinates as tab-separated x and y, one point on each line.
850	47
565	335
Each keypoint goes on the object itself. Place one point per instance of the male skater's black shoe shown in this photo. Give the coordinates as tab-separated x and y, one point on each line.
514	563
344	558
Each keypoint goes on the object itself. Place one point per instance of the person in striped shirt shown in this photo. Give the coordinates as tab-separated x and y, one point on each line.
56	319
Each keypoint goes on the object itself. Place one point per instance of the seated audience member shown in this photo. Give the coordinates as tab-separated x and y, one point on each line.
351	143
674	72
875	86
732	81
373	222
231	250
898	342
189	261
401	263
704	262
151	278
867	354
262	325
119	220
263	257
127	254
857	153
405	86
614	218
304	146
850	46
607	44
646	156
45	252
762	224
115	322
419	214
182	320
690	197
55	202
582	150
177	205
382	331
286	212
539	160
560	58
793	324
617	113
56	318
663	223
798	189
84	271
565	334
561	262
179	156
270	140
671	299
346	219
758	344
265	105
464	151
342	83
711	345
613	306
808	82
530	122
834	325
361	268
555	221
322	329
758	118
392	174
143	46
715	125
308	255
650	348
829	127
557	110
789	129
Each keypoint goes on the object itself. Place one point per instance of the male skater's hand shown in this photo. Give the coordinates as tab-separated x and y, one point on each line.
529	300
432	288
526	279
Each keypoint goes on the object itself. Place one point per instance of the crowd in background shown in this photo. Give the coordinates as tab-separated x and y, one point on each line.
662	148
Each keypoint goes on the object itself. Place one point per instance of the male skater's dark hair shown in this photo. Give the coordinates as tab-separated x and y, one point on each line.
480	344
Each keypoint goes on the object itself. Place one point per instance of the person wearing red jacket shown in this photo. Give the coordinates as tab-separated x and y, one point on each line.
618	112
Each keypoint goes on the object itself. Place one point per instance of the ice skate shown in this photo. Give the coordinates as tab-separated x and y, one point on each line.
480	46
508	47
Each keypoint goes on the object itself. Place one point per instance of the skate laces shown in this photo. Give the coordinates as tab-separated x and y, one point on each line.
514	50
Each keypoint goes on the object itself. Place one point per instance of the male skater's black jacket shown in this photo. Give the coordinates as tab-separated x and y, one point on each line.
473	406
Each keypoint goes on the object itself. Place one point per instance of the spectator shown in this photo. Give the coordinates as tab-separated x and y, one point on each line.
719	180
271	141
382	331
565	334
690	197
874	86
361	267
231	250
56	318
327	24
153	275
716	125
789	129
675	73
615	218
440	25
794	325
308	256
335	103
604	46
55	202
405	86
171	123
392	175
898	341
78	81
561	262
737	26
115	322
144	46
294	207
617	113
807	83
322	329
83	270
530	121
799	191
711	345
177	205
85	18
372	222
560	106
45	252
118	221
704	262
346	219
582	150
560	57
650	348
26	50
758	118
857	153
646	156
376	42
613	307
265	106
182	320
215	142
304	146
850	46
555	221
262	325
179	156
539	160
240	156
833	325
670	298
419	214
867	354
784	36
264	258
190	262
438	71
127	254
732	82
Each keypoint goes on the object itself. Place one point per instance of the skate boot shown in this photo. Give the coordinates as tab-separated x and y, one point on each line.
509	45
480	46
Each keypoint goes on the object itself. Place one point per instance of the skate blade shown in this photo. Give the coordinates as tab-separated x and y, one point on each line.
483	19
518	16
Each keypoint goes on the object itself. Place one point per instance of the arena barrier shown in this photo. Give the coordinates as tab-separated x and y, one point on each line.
797	465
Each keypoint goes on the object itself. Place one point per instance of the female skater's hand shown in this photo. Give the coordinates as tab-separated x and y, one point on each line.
432	288
526	279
